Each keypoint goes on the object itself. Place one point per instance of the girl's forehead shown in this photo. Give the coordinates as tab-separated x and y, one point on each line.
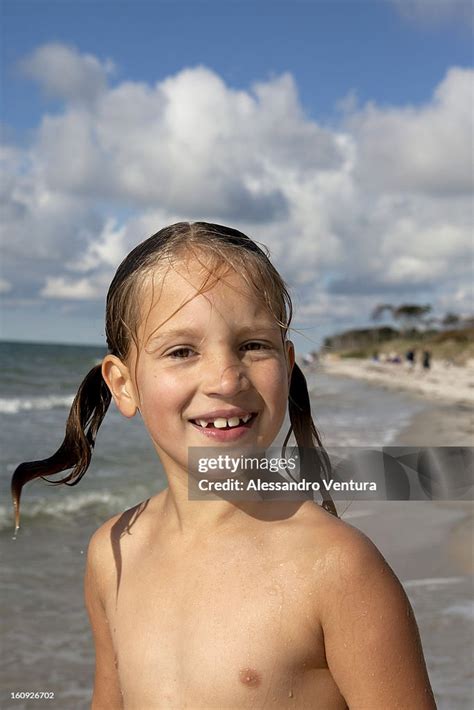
164	287
188	289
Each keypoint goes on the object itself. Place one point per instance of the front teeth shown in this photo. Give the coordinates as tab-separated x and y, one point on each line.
221	423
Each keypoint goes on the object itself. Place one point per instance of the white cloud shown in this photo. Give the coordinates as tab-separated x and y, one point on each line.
59	287
434	12
189	142
104	249
425	149
377	208
63	72
5	286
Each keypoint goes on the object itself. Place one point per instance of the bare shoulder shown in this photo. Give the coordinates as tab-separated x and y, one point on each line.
116	537
347	552
333	542
347	562
135	517
372	643
100	543
100	559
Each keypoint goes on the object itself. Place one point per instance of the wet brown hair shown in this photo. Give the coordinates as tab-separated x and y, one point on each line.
222	247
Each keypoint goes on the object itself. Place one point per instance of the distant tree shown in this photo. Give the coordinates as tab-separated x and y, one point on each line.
410	314
450	319
379	311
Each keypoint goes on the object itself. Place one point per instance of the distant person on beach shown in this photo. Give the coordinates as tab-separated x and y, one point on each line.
310	359
410	359
215	603
394	358
426	360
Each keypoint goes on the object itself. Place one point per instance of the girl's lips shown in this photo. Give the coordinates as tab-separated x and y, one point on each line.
232	434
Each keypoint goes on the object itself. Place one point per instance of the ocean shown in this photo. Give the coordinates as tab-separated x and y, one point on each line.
46	640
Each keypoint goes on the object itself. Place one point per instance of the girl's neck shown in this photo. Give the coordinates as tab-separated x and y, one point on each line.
195	518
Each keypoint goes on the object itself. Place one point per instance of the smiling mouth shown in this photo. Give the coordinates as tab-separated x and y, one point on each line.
223	424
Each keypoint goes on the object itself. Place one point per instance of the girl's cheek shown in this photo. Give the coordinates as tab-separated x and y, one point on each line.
279	374
277	386
160	388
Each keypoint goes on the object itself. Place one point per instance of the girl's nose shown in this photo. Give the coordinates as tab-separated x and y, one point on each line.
226	378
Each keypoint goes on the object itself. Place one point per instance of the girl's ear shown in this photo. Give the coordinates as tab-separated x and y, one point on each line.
119	382
290	358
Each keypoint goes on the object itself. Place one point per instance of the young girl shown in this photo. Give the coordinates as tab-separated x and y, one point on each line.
213	604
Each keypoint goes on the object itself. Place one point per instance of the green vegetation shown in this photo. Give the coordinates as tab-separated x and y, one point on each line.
453	340
454	345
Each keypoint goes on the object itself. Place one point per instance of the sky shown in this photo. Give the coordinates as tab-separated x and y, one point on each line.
336	132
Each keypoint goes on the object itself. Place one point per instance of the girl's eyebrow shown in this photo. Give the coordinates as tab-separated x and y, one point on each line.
192	332
177	333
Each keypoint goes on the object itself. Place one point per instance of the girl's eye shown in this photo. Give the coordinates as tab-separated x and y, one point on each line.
180	353
256	346
185	353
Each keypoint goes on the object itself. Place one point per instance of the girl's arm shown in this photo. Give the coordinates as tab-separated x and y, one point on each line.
373	647
106	695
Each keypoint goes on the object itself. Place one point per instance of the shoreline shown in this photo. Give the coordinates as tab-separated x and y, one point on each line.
447	394
439	424
442	544
450	384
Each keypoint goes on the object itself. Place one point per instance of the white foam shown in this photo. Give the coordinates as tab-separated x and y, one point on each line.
356	514
464	609
65	507
432	582
14	405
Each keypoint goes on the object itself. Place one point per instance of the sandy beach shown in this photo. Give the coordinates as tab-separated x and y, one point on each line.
447	419
442	382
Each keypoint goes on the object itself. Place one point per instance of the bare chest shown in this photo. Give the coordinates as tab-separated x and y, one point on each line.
219	632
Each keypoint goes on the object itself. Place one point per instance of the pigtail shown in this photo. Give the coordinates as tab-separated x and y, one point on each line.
314	459
85	417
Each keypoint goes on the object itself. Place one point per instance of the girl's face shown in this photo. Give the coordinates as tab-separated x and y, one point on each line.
213	369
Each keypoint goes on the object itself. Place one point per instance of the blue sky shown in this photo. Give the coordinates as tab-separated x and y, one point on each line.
370	101
331	47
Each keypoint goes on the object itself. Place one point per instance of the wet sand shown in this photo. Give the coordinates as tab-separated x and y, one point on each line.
440	424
